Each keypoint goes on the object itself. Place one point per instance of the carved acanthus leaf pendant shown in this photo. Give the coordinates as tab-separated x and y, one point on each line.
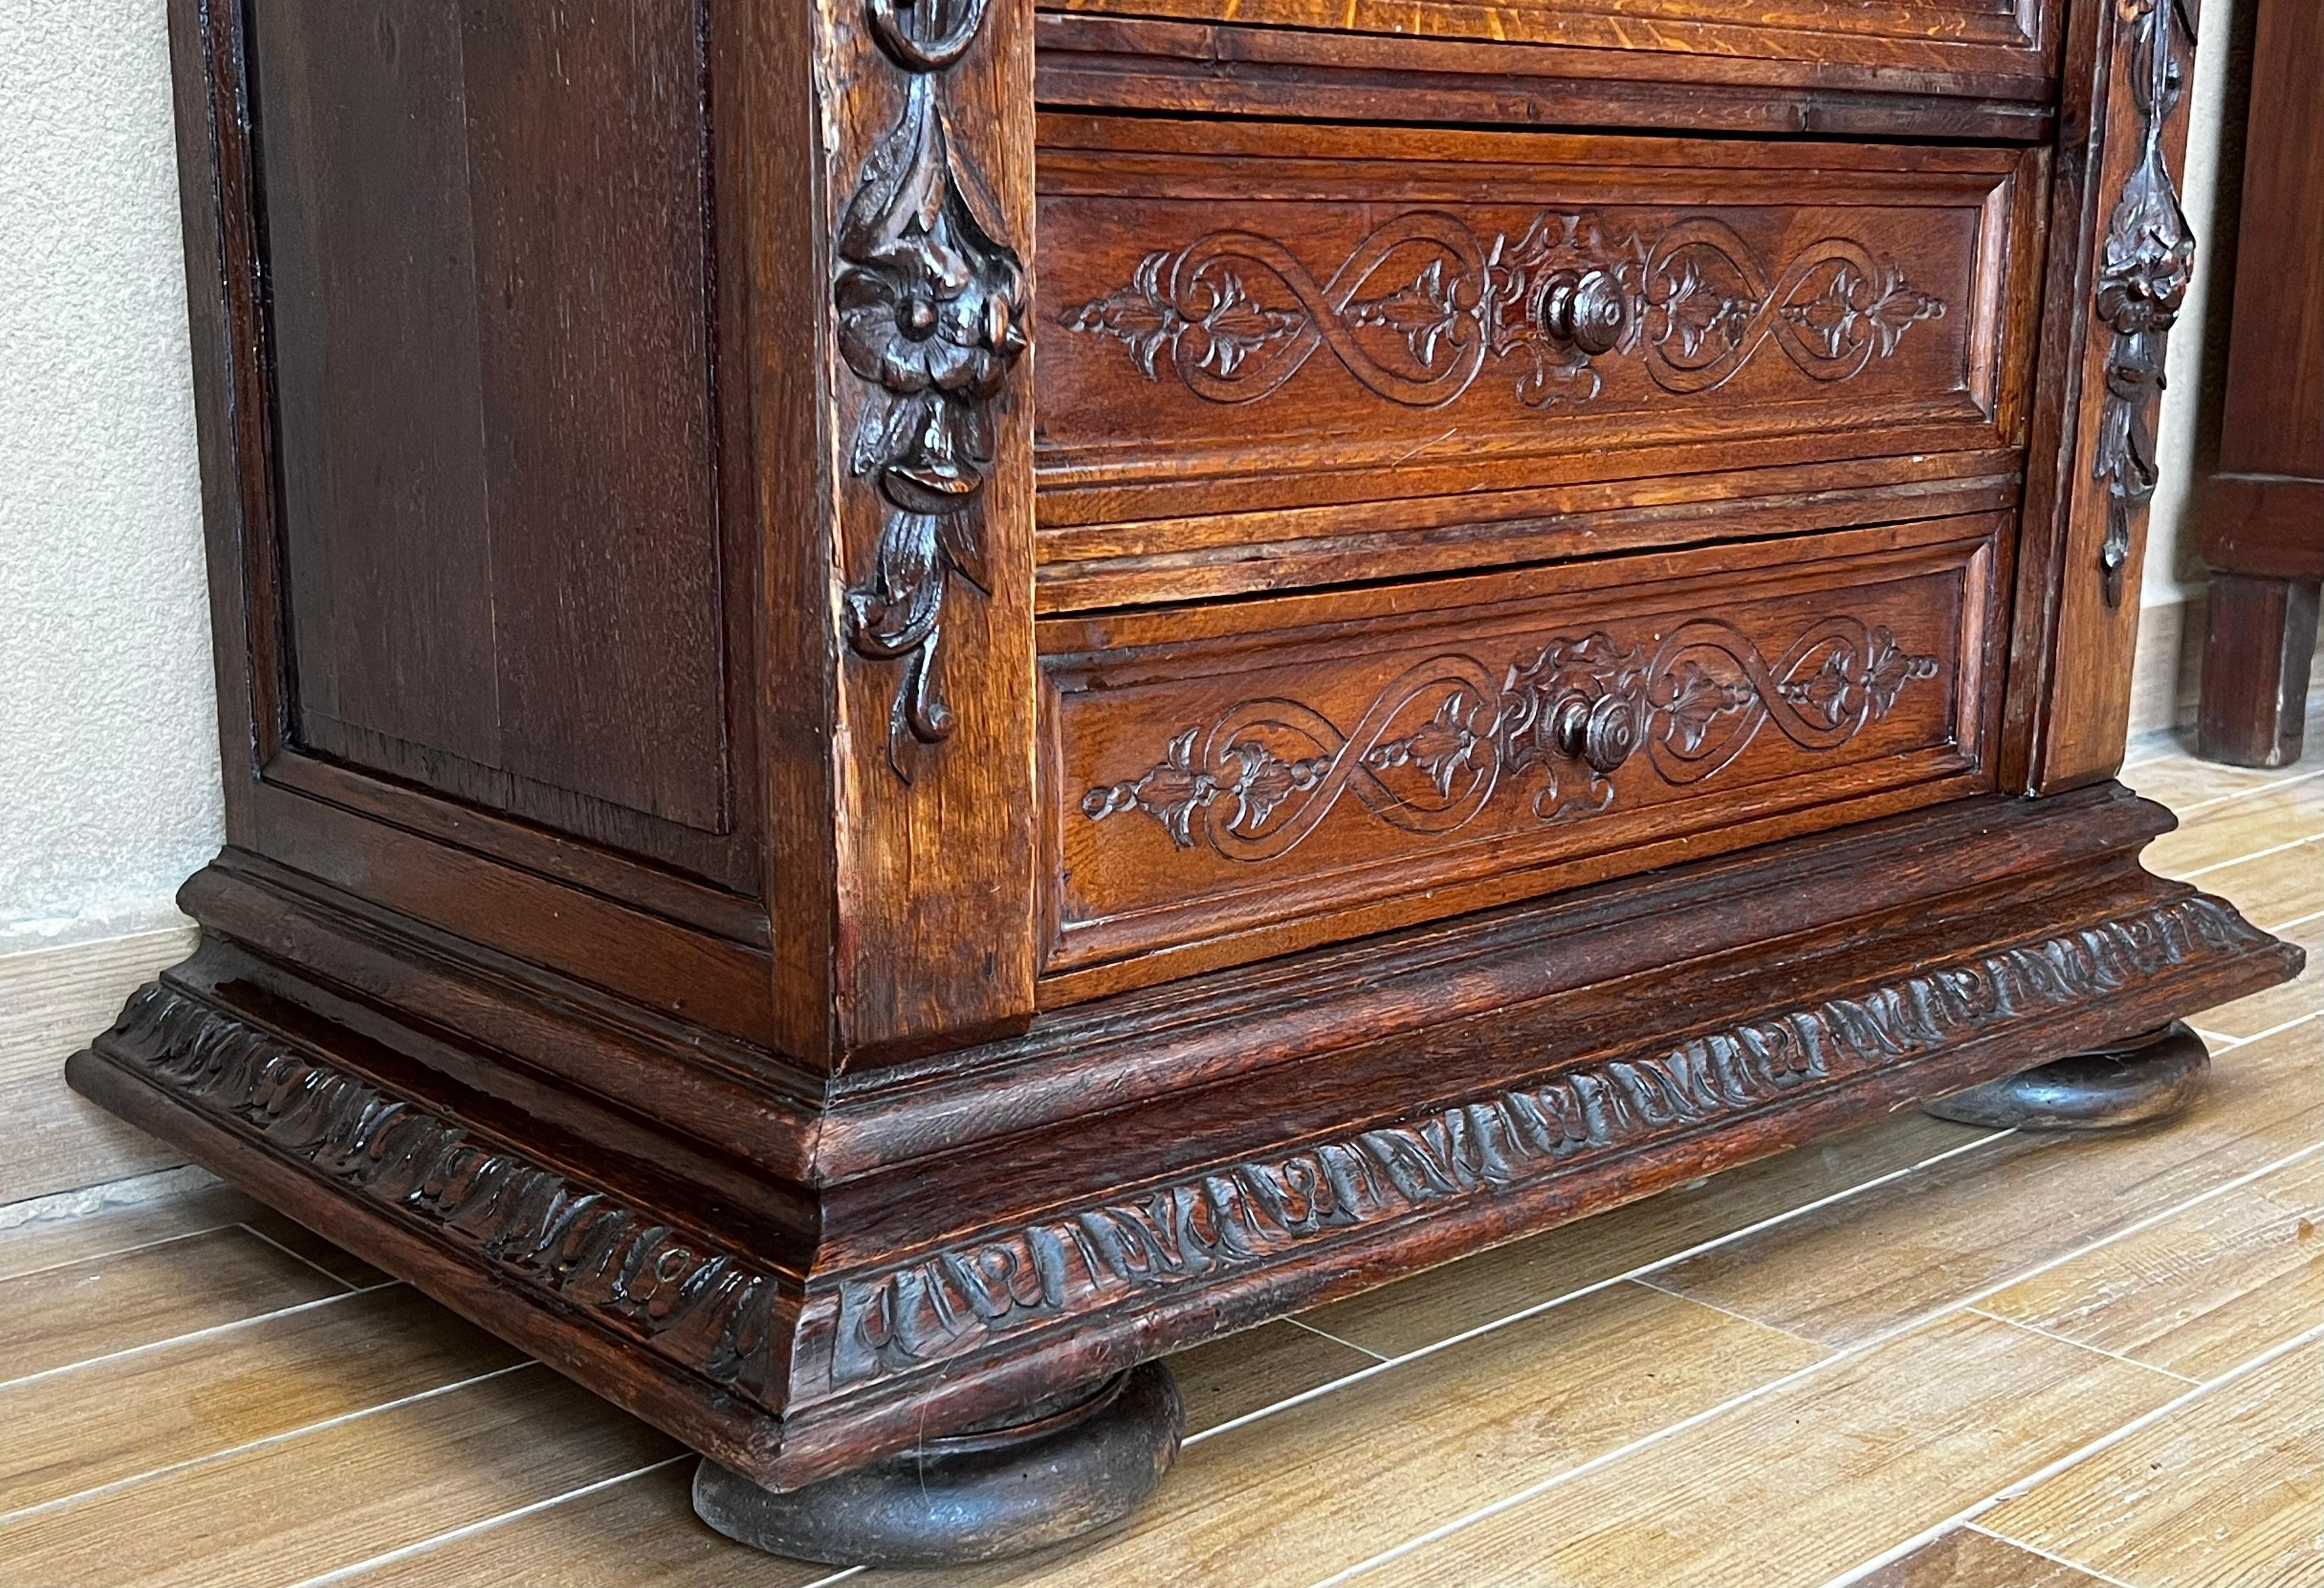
1236	314
1432	748
931	311
2142	281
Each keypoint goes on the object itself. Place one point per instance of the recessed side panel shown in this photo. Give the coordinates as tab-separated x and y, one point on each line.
1233	779
493	320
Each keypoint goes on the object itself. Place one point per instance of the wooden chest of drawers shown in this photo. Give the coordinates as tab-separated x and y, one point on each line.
921	698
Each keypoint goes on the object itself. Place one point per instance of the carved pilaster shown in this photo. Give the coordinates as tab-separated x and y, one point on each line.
2149	259
931	307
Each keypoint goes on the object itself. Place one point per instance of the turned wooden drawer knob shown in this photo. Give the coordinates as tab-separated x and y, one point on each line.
1599	732
1586	310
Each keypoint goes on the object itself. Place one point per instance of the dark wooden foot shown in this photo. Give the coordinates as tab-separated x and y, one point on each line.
1072	1464
2147	1078
2256	652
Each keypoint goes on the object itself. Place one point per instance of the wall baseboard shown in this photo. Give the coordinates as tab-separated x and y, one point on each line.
53	1001
2166	680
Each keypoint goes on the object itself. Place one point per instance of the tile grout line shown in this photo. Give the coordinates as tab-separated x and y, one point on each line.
1846	1353
1539	1307
2082	1344
471	1529
2045	1554
300	1257
2213	1041
2277	1029
2075	1458
2298	920
839	1576
1336	1340
189	1335
1677	1295
116	1485
154	1244
2220	865
2286	782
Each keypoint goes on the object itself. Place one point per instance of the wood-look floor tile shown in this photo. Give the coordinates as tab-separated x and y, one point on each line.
297	1507
2229	1490
2278	887
2209	1287
639	1533
1323	1485
48	1242
79	1310
1967	1558
1444	1302
2263	1011
2181	781
302	1242
644	1530
1853	1270
2245	827
69	1432
1802	1483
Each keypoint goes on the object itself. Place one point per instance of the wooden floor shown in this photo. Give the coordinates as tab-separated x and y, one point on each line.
1922	1353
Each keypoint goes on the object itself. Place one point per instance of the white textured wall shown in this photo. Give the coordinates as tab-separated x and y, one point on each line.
2170	526
108	757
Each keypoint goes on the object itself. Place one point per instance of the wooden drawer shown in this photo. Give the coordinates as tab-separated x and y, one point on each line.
1235	779
1260	341
1990	46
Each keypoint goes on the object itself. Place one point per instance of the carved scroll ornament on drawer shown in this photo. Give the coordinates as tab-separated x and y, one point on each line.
1436	745
1235	314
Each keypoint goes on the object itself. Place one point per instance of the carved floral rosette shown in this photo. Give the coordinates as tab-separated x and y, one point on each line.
1432	749
931	309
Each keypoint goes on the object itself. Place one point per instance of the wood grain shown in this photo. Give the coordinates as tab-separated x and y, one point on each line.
2209	1288
2263	1011
2229	1490
51	999
184	1402
1477	1290
1849	1272
1804	1483
285	1510
45	1243
1967	1558
643	1530
1314	1488
77	1310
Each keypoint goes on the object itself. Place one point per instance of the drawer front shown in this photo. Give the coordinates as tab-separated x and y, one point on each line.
1235	780
1269	335
1994	45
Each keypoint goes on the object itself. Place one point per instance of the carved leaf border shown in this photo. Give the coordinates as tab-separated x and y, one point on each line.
1243	1216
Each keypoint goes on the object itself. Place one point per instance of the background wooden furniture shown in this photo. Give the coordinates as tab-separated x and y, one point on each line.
846	885
2264	508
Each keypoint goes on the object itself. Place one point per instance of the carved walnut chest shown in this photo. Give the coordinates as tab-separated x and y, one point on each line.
921	697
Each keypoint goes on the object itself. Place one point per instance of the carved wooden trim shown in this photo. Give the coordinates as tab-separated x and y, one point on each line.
701	1308
959	1300
1573	711
1695	306
2142	281
931	311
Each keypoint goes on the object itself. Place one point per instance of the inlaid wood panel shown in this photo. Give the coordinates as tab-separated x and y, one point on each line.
1429	748
491	323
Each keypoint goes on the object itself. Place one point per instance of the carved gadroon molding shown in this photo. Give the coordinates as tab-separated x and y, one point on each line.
931	314
1432	747
1204	1228
2142	280
1422	302
705	1310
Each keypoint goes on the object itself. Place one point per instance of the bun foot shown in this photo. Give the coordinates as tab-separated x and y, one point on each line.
2147	1078
1067	1466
